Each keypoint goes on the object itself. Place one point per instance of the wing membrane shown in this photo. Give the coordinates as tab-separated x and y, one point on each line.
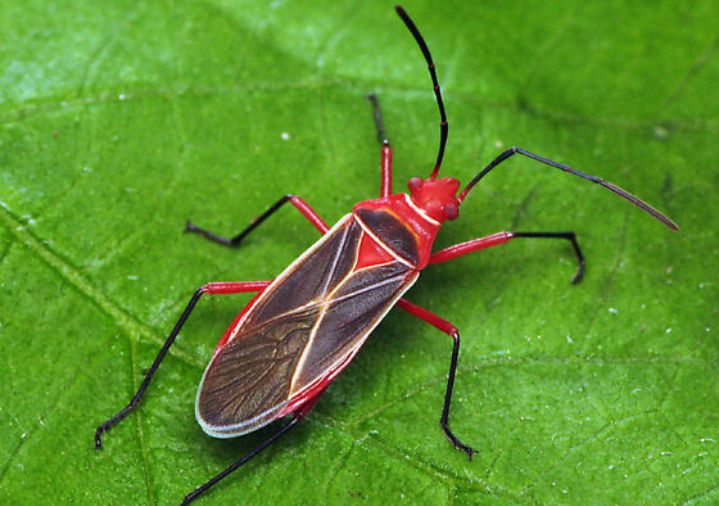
313	278
354	309
252	375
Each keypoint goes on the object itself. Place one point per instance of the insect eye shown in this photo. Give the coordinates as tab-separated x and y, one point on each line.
450	211
414	183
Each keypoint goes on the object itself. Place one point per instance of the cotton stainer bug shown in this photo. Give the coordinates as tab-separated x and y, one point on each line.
304	327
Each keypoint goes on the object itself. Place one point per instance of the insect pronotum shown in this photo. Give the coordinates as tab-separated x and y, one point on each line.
302	328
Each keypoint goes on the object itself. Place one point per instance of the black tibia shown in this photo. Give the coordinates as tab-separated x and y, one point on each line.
236	240
569	236
117	418
444	420
379	124
274	437
449	329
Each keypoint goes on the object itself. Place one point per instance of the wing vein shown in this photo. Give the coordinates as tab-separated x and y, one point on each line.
335	262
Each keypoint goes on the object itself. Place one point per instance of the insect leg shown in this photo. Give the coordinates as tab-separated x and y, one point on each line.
449	329
386	154
462	249
228	470
569	236
298	202
210	289
297	416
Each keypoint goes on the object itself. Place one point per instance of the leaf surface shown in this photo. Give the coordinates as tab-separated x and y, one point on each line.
120	121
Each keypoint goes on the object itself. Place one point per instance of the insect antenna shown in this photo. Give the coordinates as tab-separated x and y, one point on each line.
443	126
601	182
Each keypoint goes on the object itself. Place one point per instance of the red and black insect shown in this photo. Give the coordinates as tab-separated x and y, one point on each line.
305	326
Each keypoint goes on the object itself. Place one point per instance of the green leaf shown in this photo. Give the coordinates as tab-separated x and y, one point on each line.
120	120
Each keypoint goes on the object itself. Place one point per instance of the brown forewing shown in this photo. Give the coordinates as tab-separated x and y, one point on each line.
307	320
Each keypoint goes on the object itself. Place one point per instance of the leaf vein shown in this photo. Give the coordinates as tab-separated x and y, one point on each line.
71	274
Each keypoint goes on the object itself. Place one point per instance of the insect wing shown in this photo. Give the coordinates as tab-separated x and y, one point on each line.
300	332
350	314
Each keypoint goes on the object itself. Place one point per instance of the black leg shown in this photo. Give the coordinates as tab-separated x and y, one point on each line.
236	240
449	329
117	418
210	289
569	236
274	437
299	203
444	420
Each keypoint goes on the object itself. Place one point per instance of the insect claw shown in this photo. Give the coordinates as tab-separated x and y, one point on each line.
470	452
458	445
98	438
188	499
579	275
466	449
190	227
